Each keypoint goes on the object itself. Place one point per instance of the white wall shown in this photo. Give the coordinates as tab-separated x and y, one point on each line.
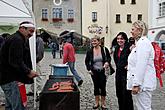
87	8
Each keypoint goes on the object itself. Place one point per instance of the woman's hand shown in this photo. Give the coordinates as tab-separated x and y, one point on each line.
106	65
90	72
135	90
126	67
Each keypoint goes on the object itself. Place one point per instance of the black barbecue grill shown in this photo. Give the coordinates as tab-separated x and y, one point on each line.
53	100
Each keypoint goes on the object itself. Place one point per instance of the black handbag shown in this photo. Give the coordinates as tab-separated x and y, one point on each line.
112	70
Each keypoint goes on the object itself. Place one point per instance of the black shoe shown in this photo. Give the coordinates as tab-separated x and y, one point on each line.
30	94
96	106
37	99
80	82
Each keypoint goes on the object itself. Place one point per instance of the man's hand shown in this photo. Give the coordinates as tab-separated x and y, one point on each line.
132	47
32	74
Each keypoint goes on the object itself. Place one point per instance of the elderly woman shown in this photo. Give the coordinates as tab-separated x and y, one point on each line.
97	59
121	53
141	76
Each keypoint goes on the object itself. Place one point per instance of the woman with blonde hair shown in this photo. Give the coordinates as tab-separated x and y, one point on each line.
97	59
141	76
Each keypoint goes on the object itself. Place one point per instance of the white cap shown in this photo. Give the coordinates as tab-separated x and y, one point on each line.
27	24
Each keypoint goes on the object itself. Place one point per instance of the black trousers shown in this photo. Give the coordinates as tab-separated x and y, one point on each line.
99	81
124	96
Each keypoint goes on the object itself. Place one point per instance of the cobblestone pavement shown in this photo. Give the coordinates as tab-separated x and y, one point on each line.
86	90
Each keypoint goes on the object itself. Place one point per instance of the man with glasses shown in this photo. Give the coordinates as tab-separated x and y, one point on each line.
15	65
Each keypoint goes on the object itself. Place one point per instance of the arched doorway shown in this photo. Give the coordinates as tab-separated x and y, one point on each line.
160	39
160	36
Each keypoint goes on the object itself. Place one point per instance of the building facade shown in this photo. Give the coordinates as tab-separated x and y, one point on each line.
107	18
157	22
94	18
58	15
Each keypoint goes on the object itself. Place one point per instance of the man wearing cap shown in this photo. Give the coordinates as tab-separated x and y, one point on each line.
15	65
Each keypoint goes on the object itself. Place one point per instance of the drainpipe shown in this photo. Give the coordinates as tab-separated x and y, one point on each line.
81	21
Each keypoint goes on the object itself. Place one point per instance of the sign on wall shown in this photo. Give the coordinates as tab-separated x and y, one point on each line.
95	29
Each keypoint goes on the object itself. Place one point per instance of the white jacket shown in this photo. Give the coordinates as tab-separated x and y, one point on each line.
141	70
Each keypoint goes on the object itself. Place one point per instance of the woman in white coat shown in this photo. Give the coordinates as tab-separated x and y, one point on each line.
141	77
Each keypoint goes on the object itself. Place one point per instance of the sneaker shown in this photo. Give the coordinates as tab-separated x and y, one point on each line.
80	82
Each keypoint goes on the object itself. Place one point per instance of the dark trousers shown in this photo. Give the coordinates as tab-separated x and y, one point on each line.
99	81
54	53
124	96
61	52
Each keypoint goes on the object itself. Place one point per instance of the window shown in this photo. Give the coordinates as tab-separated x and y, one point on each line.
118	18
133	1
44	14
70	13
57	13
162	9
94	16
122	1
163	46
139	16
129	18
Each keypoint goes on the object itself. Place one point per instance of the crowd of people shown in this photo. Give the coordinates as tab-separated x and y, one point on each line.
135	75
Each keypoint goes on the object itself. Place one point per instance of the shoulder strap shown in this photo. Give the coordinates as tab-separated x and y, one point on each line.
105	53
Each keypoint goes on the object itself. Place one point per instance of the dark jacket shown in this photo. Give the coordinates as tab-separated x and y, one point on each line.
121	62
89	58
15	60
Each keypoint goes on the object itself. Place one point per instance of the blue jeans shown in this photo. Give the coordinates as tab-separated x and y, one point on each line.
74	72
12	95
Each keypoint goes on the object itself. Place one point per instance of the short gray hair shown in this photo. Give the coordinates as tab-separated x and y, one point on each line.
141	25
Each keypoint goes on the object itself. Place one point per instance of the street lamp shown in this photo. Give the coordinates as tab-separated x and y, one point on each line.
106	28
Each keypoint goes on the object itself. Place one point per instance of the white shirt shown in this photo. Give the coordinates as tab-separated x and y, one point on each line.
141	70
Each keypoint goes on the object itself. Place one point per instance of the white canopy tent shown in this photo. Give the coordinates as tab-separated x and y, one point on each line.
14	12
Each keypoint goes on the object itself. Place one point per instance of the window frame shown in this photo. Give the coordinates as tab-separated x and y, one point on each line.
133	2
44	14
161	6
93	0
140	16
129	20
70	13
94	16
122	2
118	18
57	12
